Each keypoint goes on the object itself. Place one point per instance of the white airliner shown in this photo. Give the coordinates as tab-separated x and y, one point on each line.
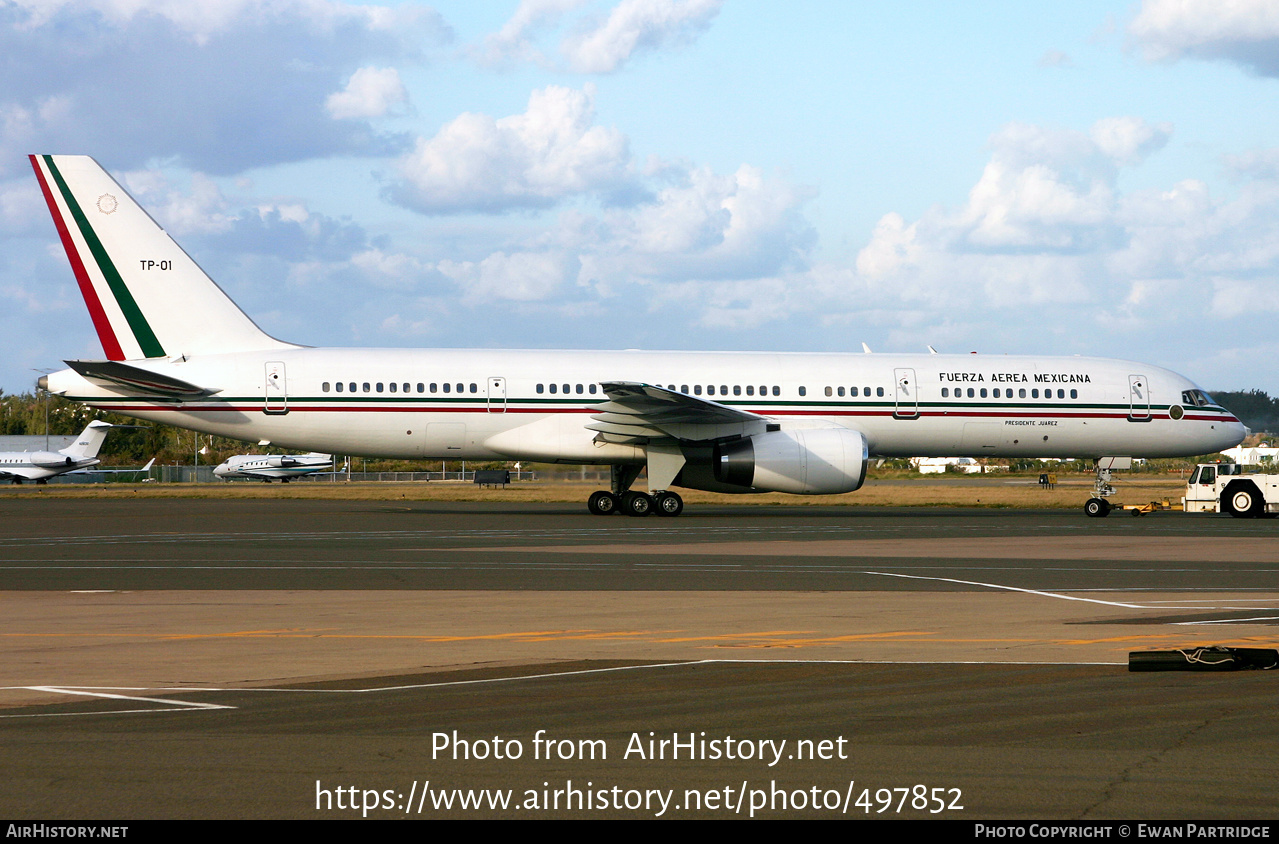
273	467
39	466
179	351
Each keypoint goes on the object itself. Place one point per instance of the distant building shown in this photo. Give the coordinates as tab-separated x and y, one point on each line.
937	465
36	442
1257	455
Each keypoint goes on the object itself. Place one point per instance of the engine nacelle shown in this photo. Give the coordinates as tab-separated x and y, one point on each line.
816	461
50	460
281	462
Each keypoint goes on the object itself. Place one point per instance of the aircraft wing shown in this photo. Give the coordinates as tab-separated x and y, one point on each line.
145	468
639	413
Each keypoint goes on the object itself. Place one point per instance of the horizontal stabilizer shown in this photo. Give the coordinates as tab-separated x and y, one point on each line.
137	378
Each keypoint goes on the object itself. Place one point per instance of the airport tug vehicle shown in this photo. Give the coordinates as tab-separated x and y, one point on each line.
1226	488
1212	488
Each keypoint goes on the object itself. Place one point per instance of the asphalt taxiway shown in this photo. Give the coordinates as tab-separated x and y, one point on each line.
226	658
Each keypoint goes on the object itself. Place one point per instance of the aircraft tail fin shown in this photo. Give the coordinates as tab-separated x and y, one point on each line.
147	297
88	444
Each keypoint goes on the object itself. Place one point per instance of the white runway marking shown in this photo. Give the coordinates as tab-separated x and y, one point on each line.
191	706
172	705
1058	595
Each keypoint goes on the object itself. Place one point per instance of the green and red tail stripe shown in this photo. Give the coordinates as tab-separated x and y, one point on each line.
133	315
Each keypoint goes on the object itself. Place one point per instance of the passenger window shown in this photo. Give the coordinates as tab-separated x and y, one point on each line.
352	387
475	389
803	391
879	391
777	391
737	390
366	386
325	386
983	392
697	389
393	385
683	388
433	387
828	391
554	388
970	392
579	389
840	391
1034	394
945	392
566	389
447	386
1061	394
379	386
1074	394
420	387
750	389
539	389
1021	394
592	389
339	386
723	389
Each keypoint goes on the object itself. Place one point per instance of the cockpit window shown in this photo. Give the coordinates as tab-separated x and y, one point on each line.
1196	398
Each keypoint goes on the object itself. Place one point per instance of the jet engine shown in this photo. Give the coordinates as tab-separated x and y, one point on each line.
50	460
817	461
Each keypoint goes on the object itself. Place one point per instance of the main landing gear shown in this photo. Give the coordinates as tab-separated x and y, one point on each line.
1098	507
622	499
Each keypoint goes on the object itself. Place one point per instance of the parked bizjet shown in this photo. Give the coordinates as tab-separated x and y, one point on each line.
39	466
179	351
273	467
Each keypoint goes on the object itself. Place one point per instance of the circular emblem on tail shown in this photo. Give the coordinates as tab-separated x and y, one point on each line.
107	203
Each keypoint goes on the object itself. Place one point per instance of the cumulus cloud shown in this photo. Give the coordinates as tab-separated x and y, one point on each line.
522	276
1047	226
201	210
1245	32
529	160
230	85
597	43
714	247
371	92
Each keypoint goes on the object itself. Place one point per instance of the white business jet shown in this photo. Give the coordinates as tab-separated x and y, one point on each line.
39	466
273	467
730	422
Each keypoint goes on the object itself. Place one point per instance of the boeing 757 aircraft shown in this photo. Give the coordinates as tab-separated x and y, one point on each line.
177	350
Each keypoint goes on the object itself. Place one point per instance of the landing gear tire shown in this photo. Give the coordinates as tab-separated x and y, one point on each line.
669	504
1097	508
636	504
602	503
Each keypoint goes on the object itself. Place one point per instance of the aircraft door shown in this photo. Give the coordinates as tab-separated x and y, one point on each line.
907	394
276	390
1138	399
497	395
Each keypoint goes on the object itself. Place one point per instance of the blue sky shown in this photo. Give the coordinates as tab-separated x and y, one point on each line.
1075	178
